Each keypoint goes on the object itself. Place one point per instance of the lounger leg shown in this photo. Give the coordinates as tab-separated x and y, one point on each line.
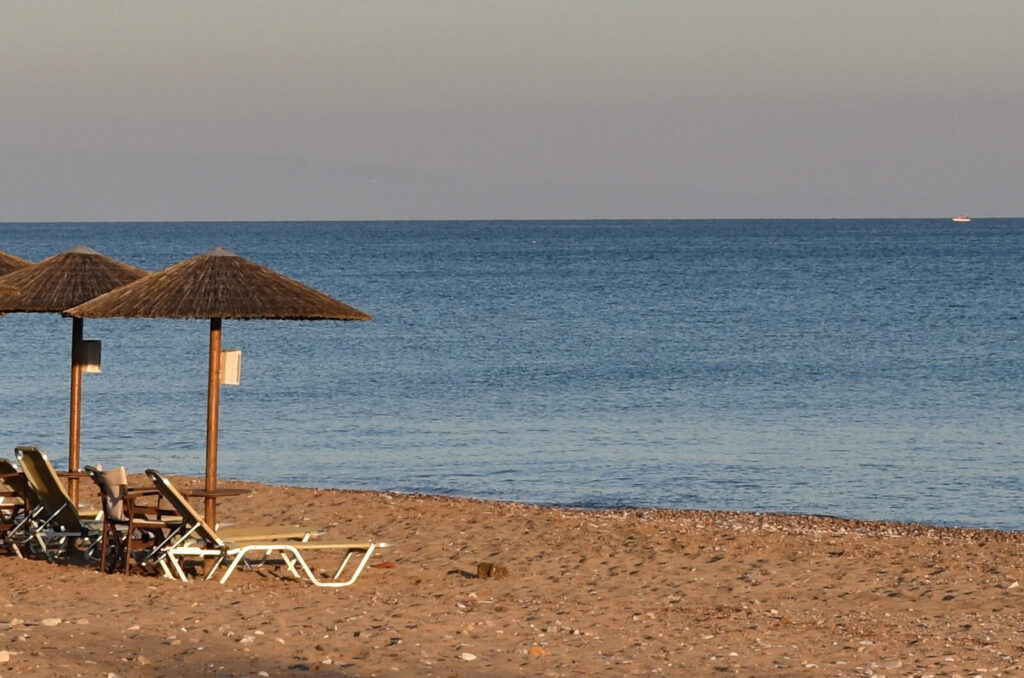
336	584
90	551
125	549
42	546
290	564
292	557
241	558
25	522
348	556
163	549
301	561
177	567
216	564
103	548
231	567
359	568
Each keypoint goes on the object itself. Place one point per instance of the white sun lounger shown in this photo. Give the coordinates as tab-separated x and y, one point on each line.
194	538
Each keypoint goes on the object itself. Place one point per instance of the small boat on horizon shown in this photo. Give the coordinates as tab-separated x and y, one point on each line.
962	218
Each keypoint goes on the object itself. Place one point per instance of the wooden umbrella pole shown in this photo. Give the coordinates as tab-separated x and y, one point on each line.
75	426
212	416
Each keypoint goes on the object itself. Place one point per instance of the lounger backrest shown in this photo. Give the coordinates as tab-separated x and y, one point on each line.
18	483
187	512
44	479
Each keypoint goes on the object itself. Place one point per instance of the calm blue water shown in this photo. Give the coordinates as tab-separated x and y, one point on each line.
870	369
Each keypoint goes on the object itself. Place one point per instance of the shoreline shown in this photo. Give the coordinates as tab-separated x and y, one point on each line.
908	524
588	592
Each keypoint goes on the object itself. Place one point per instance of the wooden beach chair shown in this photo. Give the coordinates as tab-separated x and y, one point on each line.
130	520
58	524
195	539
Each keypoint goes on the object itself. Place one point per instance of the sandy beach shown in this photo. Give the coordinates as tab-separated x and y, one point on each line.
614	592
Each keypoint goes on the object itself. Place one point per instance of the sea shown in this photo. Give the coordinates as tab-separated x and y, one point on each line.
869	369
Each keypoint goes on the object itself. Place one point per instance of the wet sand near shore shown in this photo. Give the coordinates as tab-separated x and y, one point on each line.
612	593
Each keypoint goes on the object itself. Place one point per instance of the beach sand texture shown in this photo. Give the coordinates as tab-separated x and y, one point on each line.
613	593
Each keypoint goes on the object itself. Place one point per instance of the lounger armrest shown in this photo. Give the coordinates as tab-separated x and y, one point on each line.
240	534
349	545
317	546
133	496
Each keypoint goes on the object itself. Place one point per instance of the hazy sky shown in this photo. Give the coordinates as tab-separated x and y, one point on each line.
447	109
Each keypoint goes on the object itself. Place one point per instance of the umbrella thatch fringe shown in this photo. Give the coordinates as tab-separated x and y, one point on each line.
217	284
65	280
9	262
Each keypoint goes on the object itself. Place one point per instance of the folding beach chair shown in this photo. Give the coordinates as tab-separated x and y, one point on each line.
128	522
58	524
196	539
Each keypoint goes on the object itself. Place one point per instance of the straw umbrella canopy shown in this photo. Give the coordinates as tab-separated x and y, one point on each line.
9	262
54	284
216	285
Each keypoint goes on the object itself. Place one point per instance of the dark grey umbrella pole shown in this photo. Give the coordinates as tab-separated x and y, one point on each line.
75	426
212	416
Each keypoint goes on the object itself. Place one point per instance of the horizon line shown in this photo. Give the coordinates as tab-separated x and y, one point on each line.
485	219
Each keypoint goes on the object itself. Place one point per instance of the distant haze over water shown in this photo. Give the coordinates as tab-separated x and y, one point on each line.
869	368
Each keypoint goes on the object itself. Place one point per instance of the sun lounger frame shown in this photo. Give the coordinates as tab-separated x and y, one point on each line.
57	519
196	539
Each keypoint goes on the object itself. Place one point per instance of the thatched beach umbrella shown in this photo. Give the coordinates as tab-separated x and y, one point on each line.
9	262
54	284
214	286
